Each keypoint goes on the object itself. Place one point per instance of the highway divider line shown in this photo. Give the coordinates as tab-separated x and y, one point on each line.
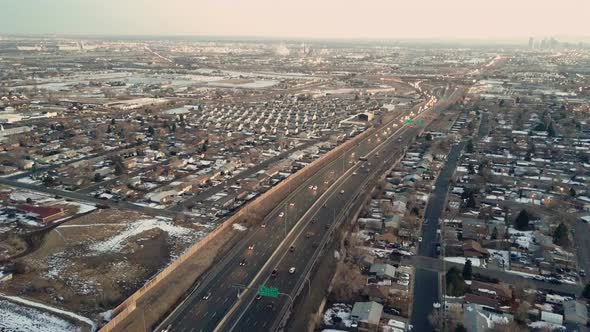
299	226
340	218
340	181
210	274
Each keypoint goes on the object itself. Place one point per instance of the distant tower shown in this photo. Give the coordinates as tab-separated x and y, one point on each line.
531	43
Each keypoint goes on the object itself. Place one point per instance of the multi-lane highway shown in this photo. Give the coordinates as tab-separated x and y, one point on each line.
337	185
265	314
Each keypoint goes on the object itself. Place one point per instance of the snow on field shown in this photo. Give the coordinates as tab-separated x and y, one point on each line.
522	274
51	309
28	180
522	238
546	326
117	242
239	227
502	255
461	260
22	195
82	207
339	310
20	318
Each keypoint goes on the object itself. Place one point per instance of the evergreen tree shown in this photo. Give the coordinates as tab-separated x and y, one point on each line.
460	328
454	282
573	192
467	270
495	233
522	221
550	130
586	291
560	235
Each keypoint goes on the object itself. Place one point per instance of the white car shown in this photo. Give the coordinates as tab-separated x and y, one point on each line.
281	214
420	239
292	270
341	192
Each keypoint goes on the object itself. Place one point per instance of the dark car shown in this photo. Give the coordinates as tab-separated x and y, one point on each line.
292	248
274	273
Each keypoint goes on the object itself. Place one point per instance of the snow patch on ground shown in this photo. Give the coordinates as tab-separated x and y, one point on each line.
239	227
117	242
29	318
522	238
340	310
501	255
461	260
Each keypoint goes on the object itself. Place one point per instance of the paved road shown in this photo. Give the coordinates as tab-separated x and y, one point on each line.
436	265
198	314
426	289
582	243
87	198
255	315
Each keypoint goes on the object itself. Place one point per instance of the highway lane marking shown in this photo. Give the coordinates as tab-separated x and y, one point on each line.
340	182
209	277
294	228
373	173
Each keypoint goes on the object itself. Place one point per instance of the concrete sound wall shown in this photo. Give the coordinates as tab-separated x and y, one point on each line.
262	205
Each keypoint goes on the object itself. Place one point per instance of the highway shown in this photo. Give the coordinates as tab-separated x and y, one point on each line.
265	314
199	314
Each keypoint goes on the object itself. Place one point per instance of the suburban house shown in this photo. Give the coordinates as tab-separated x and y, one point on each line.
43	214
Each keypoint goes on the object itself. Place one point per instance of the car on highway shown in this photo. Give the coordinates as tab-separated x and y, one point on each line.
281	214
292	270
258	297
291	204
582	273
292	248
315	188
263	225
354	173
341	192
207	296
274	273
251	247
243	262
420	239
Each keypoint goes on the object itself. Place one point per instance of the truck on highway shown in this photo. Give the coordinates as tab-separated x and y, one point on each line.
308	235
364	158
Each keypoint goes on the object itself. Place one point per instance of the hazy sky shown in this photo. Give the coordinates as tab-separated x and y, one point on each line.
300	18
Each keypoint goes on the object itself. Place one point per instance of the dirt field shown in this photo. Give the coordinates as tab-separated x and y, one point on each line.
92	263
155	305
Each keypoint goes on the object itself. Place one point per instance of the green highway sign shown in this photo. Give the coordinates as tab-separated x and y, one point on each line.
409	121
419	122
268	291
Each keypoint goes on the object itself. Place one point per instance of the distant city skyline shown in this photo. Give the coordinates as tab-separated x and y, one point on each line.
375	19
